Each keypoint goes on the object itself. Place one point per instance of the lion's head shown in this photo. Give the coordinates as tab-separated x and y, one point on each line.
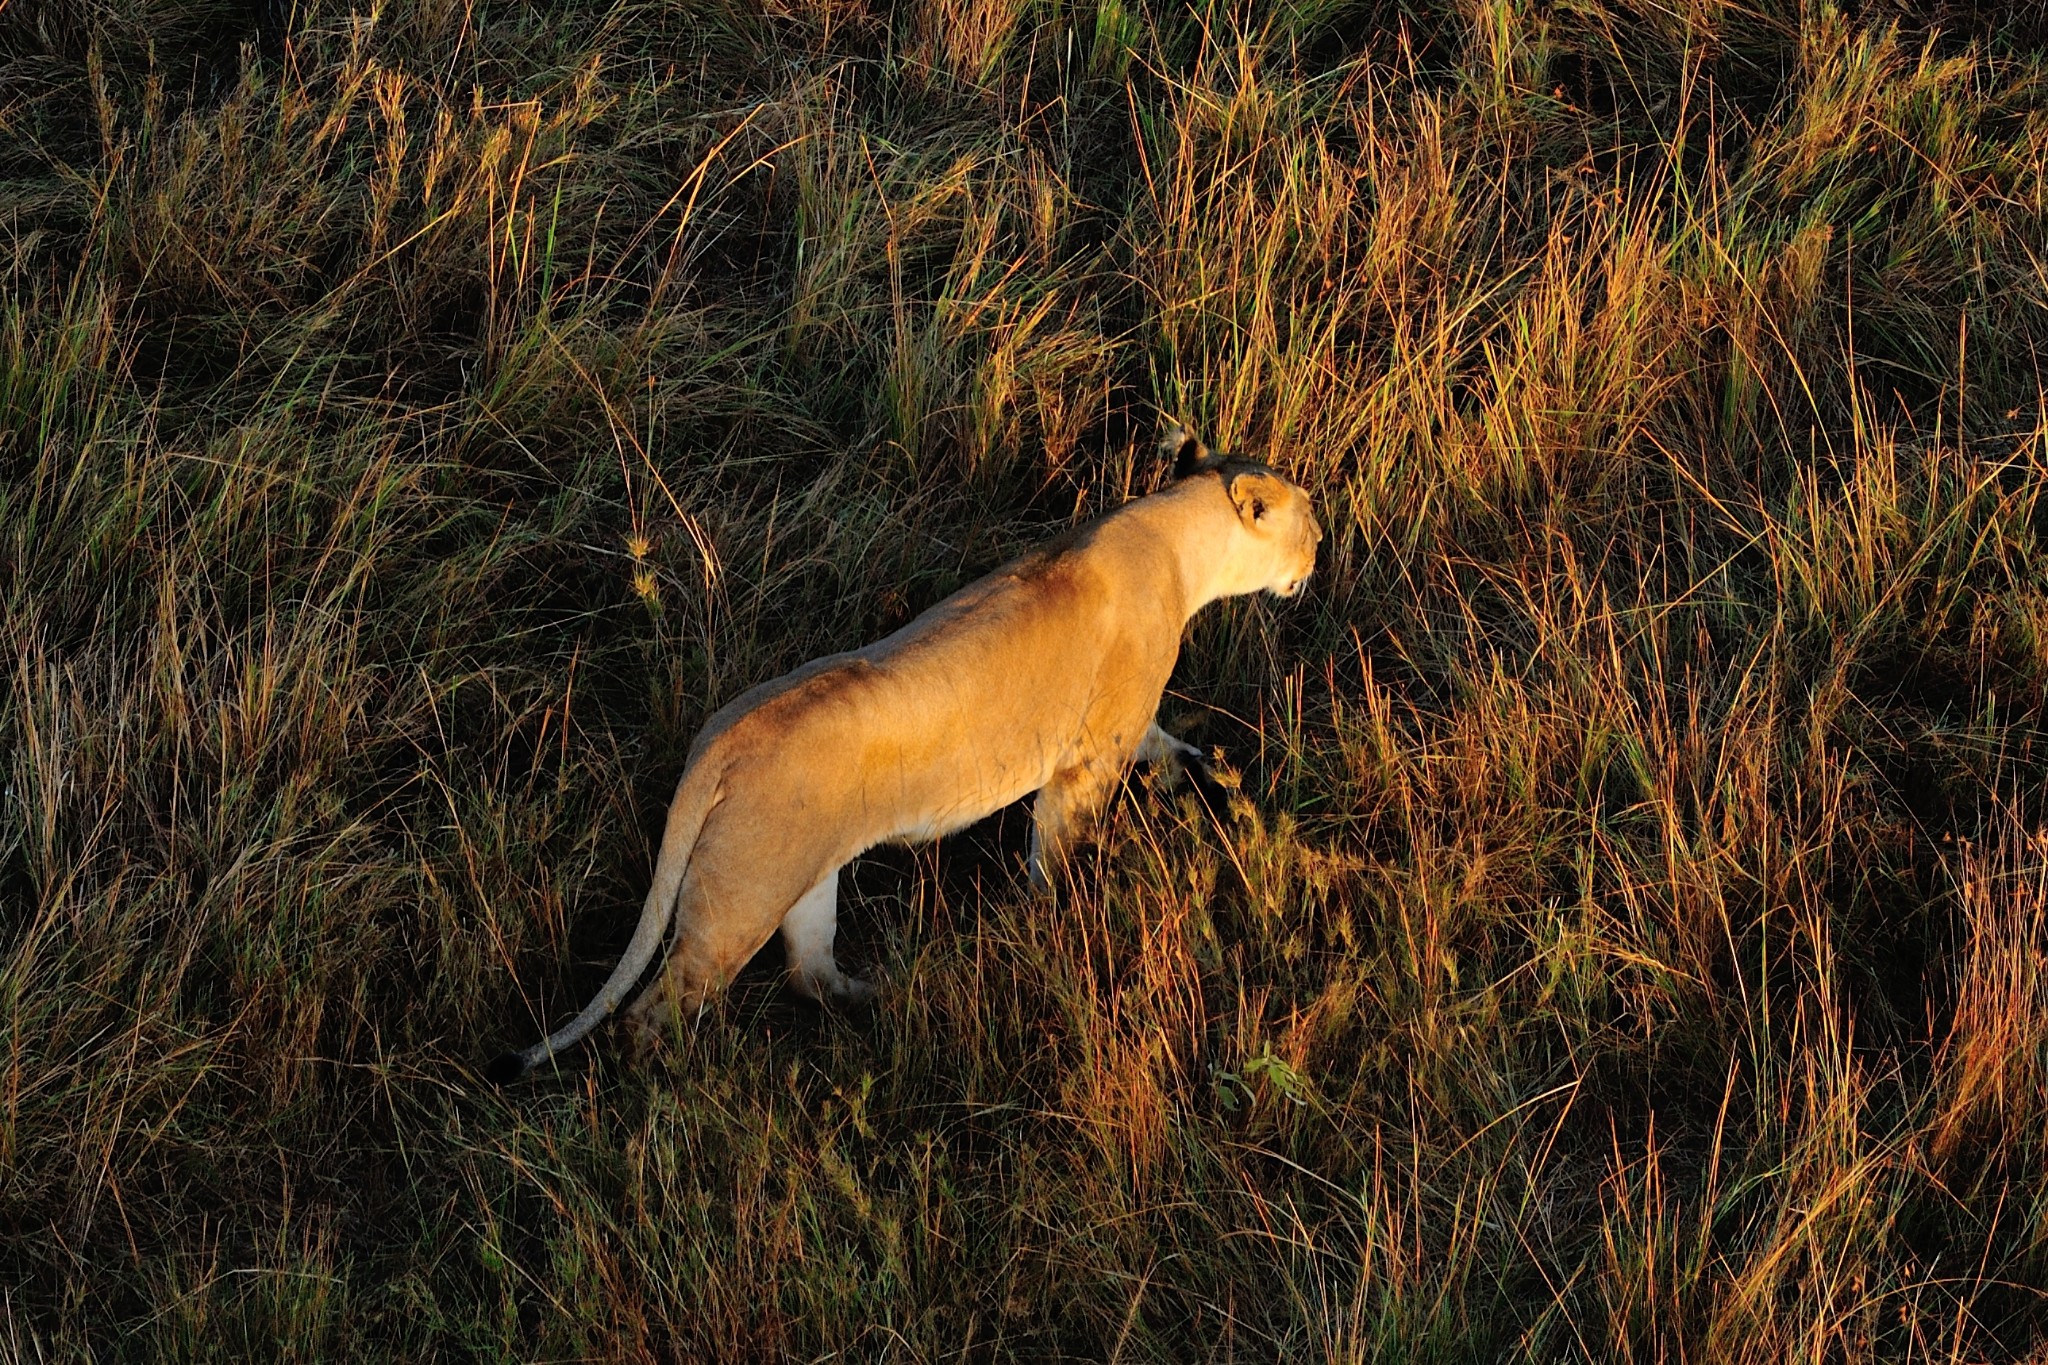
1274	549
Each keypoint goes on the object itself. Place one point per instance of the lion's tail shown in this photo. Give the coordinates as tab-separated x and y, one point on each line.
695	796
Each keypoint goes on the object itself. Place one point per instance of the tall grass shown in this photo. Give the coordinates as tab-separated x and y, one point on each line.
415	419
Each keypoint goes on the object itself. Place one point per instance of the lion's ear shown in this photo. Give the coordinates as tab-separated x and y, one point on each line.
1189	455
1256	496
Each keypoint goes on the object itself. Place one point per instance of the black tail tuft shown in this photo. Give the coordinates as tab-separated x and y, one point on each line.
505	1068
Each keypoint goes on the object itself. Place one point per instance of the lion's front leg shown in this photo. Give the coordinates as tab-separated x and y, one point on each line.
1159	747
1065	809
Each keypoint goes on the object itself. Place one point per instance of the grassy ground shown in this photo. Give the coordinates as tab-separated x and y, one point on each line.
415	419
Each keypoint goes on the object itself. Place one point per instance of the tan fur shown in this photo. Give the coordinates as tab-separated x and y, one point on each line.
1043	677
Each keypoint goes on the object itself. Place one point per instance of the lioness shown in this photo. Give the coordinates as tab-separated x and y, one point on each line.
1044	676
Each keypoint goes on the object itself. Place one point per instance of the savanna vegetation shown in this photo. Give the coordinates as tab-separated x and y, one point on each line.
416	417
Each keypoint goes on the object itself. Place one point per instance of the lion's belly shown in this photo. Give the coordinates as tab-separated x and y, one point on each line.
969	759
936	791
923	827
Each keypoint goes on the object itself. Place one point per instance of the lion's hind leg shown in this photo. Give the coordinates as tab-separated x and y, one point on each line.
807	932
728	908
697	969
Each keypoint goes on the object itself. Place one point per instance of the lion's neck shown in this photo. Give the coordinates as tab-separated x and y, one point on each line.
1185	531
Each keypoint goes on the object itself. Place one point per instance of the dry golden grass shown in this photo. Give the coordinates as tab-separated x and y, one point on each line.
415	419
